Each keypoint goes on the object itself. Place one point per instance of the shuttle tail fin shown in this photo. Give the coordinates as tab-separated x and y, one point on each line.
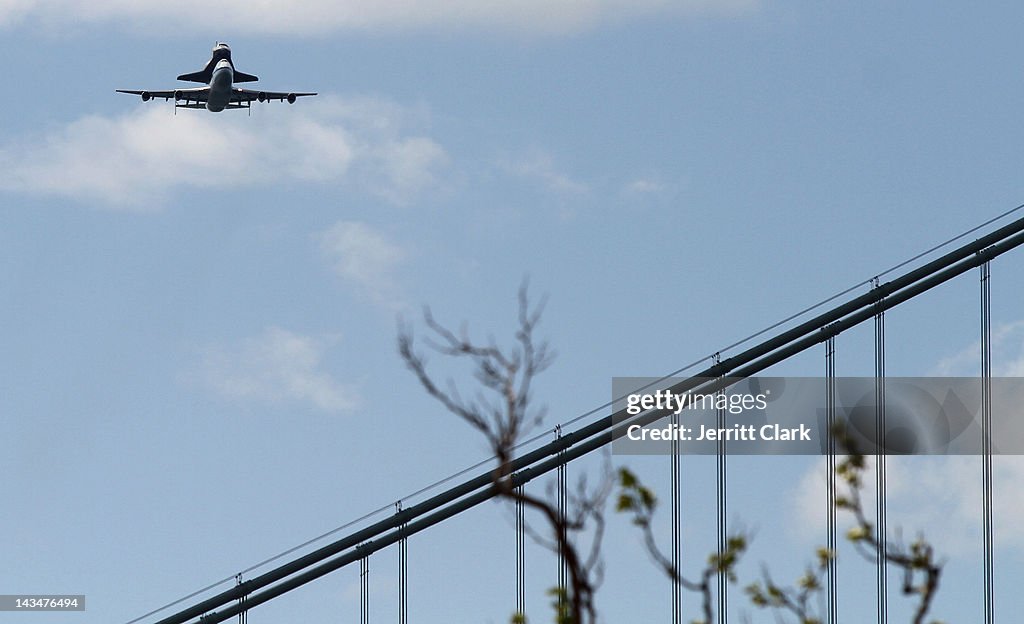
199	76
244	77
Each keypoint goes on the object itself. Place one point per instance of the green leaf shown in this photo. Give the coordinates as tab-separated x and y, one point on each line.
626	478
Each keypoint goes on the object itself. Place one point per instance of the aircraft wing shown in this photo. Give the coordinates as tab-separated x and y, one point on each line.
248	95
197	97
194	95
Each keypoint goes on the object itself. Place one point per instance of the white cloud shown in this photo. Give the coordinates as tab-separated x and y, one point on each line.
940	497
404	168
541	167
325	16
643	186
365	258
277	366
136	160
1007	354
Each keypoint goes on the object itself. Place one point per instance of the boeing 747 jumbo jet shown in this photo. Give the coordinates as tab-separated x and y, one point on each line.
219	75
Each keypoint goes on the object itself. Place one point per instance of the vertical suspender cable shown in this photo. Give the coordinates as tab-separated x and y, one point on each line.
403	573
880	515
563	572
830	478
677	588
520	556
723	581
243	615
364	590
986	439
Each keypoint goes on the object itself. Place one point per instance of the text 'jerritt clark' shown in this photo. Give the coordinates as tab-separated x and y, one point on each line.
767	433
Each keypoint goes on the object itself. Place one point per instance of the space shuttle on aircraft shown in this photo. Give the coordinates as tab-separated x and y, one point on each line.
221	52
219	75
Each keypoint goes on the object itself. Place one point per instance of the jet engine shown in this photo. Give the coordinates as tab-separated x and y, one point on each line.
146	96
178	95
261	96
291	98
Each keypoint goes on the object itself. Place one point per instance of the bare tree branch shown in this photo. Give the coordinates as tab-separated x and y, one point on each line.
501	410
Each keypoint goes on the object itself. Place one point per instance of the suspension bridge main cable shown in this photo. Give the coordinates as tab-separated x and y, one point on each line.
988	246
892	298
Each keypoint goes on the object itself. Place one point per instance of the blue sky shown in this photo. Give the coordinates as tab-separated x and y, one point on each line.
199	310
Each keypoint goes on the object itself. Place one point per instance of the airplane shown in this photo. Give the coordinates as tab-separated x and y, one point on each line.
219	75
